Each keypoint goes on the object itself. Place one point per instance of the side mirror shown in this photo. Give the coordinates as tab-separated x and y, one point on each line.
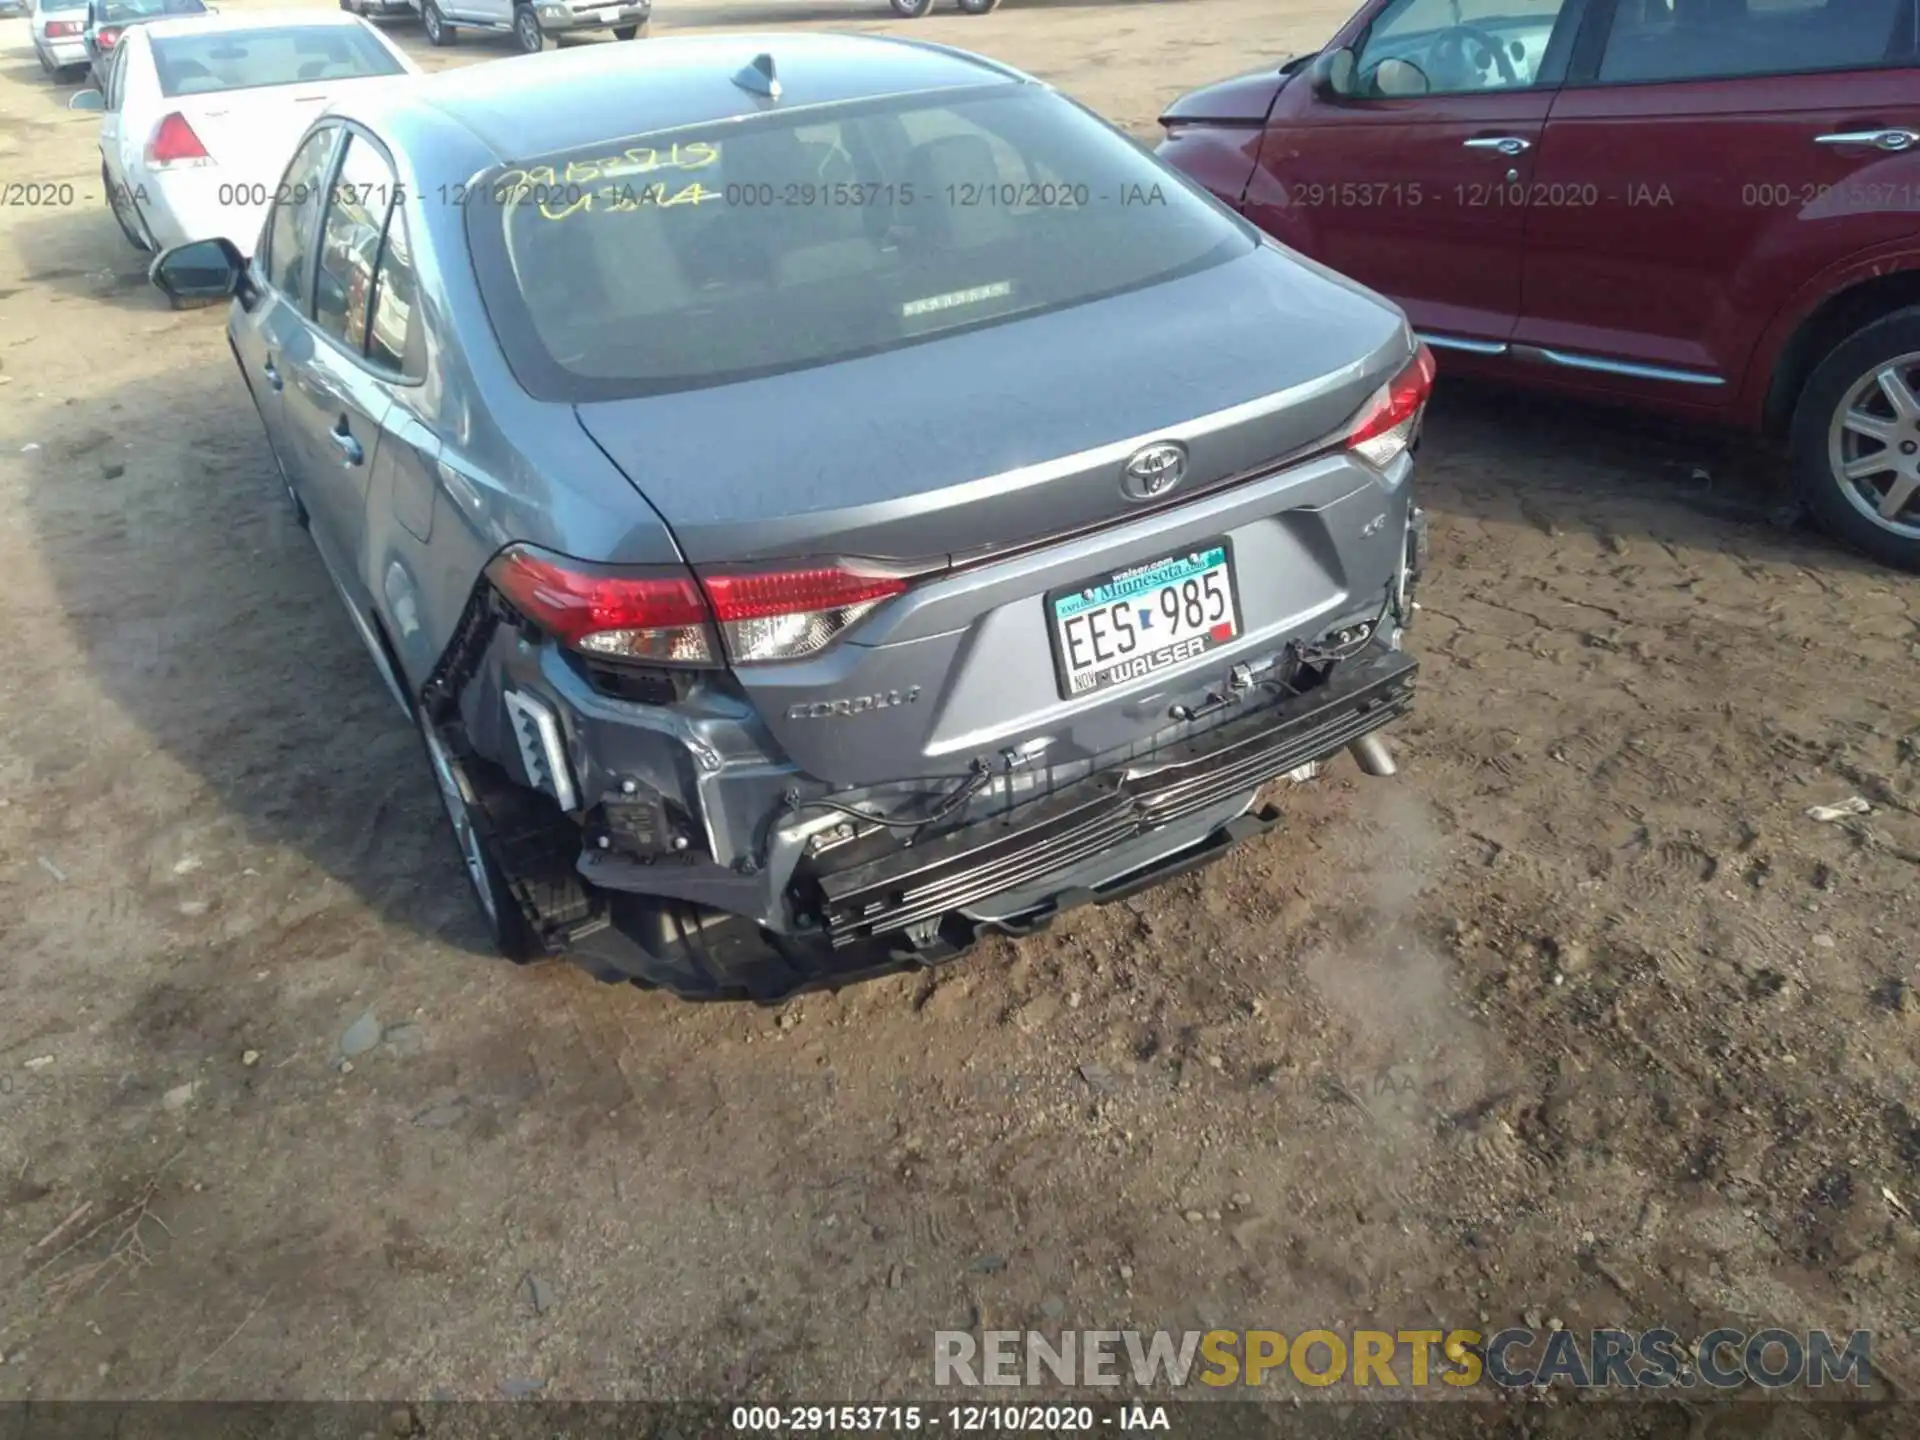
1331	74
1401	79
200	270
86	100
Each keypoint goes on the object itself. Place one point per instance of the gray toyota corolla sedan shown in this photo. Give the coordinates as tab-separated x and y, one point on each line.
823	499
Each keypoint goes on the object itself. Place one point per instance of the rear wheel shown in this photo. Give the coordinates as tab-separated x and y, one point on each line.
979	7
507	926
631	32
911	9
527	32
120	203
1856	440
435	24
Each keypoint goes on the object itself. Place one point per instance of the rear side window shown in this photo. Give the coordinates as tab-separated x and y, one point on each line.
717	254
250	59
296	212
116	78
393	329
1726	39
356	218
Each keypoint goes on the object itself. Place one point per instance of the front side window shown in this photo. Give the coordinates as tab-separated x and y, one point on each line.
356	218
717	254
1453	47
1725	39
295	216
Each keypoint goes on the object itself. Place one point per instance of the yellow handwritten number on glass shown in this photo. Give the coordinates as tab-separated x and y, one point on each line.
559	195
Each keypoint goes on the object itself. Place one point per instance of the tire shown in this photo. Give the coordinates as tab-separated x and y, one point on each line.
134	237
911	9
1869	382
979	7
506	926
527	33
631	32
439	32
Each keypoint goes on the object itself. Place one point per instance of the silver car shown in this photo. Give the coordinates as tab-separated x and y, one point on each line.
822	499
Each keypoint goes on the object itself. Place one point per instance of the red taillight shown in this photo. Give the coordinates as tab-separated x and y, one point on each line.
786	614
1390	419
659	616
107	39
663	616
59	29
174	143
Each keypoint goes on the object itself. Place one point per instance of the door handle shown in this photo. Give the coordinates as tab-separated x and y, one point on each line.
1892	141
349	447
1501	144
273	376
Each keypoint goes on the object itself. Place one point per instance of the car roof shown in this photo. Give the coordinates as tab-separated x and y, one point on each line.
564	99
247	20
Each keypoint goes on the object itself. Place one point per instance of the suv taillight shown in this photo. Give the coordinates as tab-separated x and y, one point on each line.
1389	421
662	615
174	143
108	39
60	29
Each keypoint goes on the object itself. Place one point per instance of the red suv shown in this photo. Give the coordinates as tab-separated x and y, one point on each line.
1705	207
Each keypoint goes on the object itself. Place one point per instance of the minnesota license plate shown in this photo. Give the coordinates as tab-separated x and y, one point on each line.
1143	619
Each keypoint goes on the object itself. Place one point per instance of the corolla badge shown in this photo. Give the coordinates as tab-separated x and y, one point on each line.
1153	471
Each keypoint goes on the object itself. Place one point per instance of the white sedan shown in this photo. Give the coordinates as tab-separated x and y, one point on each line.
201	114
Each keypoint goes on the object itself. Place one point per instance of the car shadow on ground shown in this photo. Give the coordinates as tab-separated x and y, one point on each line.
24	69
77	251
1560	465
201	609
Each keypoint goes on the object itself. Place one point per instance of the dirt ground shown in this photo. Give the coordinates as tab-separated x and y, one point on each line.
1579	1017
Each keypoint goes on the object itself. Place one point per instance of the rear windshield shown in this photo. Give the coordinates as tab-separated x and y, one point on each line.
244	59
120	12
63	4
720	253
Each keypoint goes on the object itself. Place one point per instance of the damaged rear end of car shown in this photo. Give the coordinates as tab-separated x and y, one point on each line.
1022	533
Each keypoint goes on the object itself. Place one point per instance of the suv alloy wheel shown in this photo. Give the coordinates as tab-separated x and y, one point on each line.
1856	440
527	32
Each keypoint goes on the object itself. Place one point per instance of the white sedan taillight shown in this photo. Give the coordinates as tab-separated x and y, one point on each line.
174	143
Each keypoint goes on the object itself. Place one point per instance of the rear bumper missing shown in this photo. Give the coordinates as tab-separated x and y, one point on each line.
1109	812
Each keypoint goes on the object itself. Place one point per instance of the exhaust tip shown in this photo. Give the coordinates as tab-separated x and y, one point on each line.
1370	752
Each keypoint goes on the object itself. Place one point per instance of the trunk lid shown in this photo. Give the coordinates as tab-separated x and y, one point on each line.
1012	439
251	133
1014	434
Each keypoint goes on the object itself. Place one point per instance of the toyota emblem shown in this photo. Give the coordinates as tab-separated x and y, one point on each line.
1153	471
